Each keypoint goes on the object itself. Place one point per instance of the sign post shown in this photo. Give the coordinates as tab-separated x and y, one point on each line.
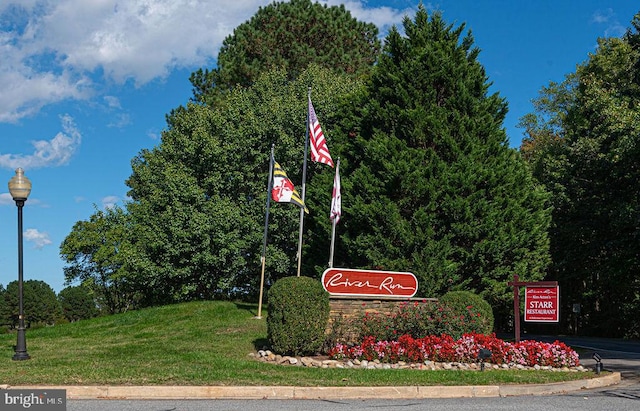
539	301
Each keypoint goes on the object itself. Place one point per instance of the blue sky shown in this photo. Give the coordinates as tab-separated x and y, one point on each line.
86	86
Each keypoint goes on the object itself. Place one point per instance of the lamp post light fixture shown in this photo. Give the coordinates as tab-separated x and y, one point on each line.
20	188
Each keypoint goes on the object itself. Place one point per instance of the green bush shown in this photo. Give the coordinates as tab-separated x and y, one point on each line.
417	319
474	312
298	316
414	318
455	314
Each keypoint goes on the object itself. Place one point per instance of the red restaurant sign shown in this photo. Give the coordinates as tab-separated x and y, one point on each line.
369	283
542	304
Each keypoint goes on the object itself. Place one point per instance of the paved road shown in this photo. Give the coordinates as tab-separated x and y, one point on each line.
588	401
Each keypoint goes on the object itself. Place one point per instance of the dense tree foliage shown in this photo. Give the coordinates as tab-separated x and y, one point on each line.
77	303
96	252
198	198
583	144
40	304
431	185
290	36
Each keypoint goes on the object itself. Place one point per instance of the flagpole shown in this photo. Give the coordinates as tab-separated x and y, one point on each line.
334	222
304	185
333	239
266	228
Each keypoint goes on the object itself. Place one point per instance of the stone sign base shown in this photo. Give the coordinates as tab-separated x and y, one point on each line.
346	310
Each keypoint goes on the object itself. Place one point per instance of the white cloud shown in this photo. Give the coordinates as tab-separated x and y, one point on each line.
383	17
25	91
38	238
120	120
52	49
153	134
55	152
112	102
602	16
110	201
5	199
608	17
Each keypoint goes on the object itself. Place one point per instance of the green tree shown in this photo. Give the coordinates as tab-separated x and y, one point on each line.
77	303
198	198
291	36
96	252
4	314
591	169
196	218
40	304
430	184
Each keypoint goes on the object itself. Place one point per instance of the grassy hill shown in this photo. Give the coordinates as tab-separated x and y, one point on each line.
199	343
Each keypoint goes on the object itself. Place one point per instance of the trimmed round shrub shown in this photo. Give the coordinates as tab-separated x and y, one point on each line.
298	316
473	312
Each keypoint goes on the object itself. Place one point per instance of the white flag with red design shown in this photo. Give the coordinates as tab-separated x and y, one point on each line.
319	150
336	198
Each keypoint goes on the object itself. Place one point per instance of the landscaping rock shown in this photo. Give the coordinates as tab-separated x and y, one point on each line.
318	362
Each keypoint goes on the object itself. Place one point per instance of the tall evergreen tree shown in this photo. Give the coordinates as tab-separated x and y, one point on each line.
77	303
40	305
289	36
433	186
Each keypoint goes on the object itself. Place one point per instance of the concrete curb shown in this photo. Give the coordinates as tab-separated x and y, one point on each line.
560	387
334	393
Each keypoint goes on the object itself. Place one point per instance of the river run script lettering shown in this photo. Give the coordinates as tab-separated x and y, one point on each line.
387	284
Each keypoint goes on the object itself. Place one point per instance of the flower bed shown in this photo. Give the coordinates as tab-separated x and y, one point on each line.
464	350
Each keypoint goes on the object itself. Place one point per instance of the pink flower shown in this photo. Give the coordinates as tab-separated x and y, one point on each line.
465	349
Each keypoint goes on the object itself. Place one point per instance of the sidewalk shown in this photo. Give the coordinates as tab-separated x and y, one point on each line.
328	393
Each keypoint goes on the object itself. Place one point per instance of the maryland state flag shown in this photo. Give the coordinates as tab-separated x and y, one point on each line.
283	190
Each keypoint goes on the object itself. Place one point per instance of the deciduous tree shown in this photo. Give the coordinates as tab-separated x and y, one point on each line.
591	169
198	198
96	253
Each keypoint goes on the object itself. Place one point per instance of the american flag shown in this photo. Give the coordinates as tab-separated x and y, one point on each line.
319	150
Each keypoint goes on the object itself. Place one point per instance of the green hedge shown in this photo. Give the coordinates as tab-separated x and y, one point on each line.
454	314
476	312
298	316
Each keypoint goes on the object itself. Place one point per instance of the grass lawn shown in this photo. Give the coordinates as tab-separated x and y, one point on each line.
200	343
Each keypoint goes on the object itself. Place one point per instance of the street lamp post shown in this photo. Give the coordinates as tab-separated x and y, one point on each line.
20	188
